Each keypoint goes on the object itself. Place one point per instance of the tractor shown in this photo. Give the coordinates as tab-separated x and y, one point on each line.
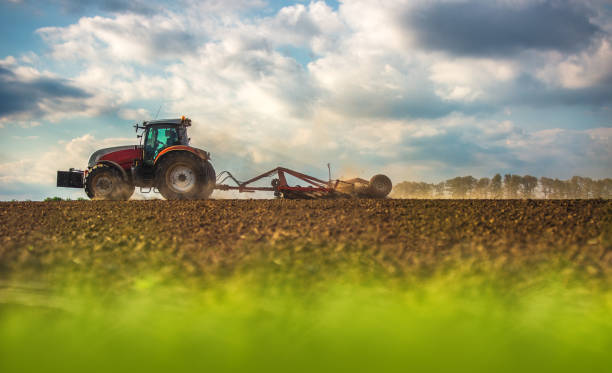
166	163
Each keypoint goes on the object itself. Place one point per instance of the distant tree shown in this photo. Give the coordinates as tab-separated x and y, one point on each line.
528	185
402	190
580	187
547	186
481	189
425	190
587	187
559	189
507	181
517	181
512	184
573	188
602	188
460	187
470	184
453	186
607	188
496	186
412	189
439	190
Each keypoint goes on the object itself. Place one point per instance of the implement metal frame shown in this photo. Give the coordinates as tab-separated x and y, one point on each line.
316	188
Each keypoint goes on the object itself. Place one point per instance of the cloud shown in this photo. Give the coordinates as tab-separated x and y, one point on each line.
592	67
469	79
29	93
113	6
501	28
316	27
124	37
378	86
360	67
134	114
527	90
566	153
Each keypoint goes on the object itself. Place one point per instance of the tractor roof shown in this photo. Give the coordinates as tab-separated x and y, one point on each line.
179	121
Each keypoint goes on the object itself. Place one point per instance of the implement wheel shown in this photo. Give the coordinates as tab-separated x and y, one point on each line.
181	175
104	182
380	186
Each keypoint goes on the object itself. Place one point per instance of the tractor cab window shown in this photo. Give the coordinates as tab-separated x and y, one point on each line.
159	138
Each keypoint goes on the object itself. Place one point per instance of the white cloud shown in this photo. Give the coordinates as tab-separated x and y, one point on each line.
135	114
363	65
589	68
315	26
469	78
124	37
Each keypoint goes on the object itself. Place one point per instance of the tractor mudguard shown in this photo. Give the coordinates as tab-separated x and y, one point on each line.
116	165
197	152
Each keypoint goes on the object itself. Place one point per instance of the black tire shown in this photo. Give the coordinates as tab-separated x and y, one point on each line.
182	175
104	182
380	186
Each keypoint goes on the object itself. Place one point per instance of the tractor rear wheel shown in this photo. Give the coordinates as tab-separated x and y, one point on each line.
104	182
180	175
211	178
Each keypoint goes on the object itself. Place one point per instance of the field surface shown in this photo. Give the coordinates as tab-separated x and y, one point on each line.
280	285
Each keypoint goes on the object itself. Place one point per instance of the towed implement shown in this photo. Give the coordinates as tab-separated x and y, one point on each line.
165	162
378	187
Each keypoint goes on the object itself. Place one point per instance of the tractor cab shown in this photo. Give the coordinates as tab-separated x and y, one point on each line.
157	136
161	134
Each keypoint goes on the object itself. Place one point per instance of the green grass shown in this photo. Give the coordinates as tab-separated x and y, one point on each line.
469	317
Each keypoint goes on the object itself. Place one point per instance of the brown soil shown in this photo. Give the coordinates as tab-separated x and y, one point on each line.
396	235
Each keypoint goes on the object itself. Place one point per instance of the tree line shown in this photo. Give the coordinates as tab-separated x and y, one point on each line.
509	186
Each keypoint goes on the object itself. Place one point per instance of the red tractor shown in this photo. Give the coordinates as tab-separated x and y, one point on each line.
164	161
167	163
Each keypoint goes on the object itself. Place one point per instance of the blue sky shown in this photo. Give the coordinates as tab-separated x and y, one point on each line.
420	90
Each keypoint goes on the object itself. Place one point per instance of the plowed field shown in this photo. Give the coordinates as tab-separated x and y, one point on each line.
394	235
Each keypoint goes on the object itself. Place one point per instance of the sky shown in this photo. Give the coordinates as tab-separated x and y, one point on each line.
418	90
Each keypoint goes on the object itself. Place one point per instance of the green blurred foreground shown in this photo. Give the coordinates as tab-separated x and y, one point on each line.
463	319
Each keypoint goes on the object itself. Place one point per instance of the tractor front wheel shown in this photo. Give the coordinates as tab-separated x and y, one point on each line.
104	182
182	176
